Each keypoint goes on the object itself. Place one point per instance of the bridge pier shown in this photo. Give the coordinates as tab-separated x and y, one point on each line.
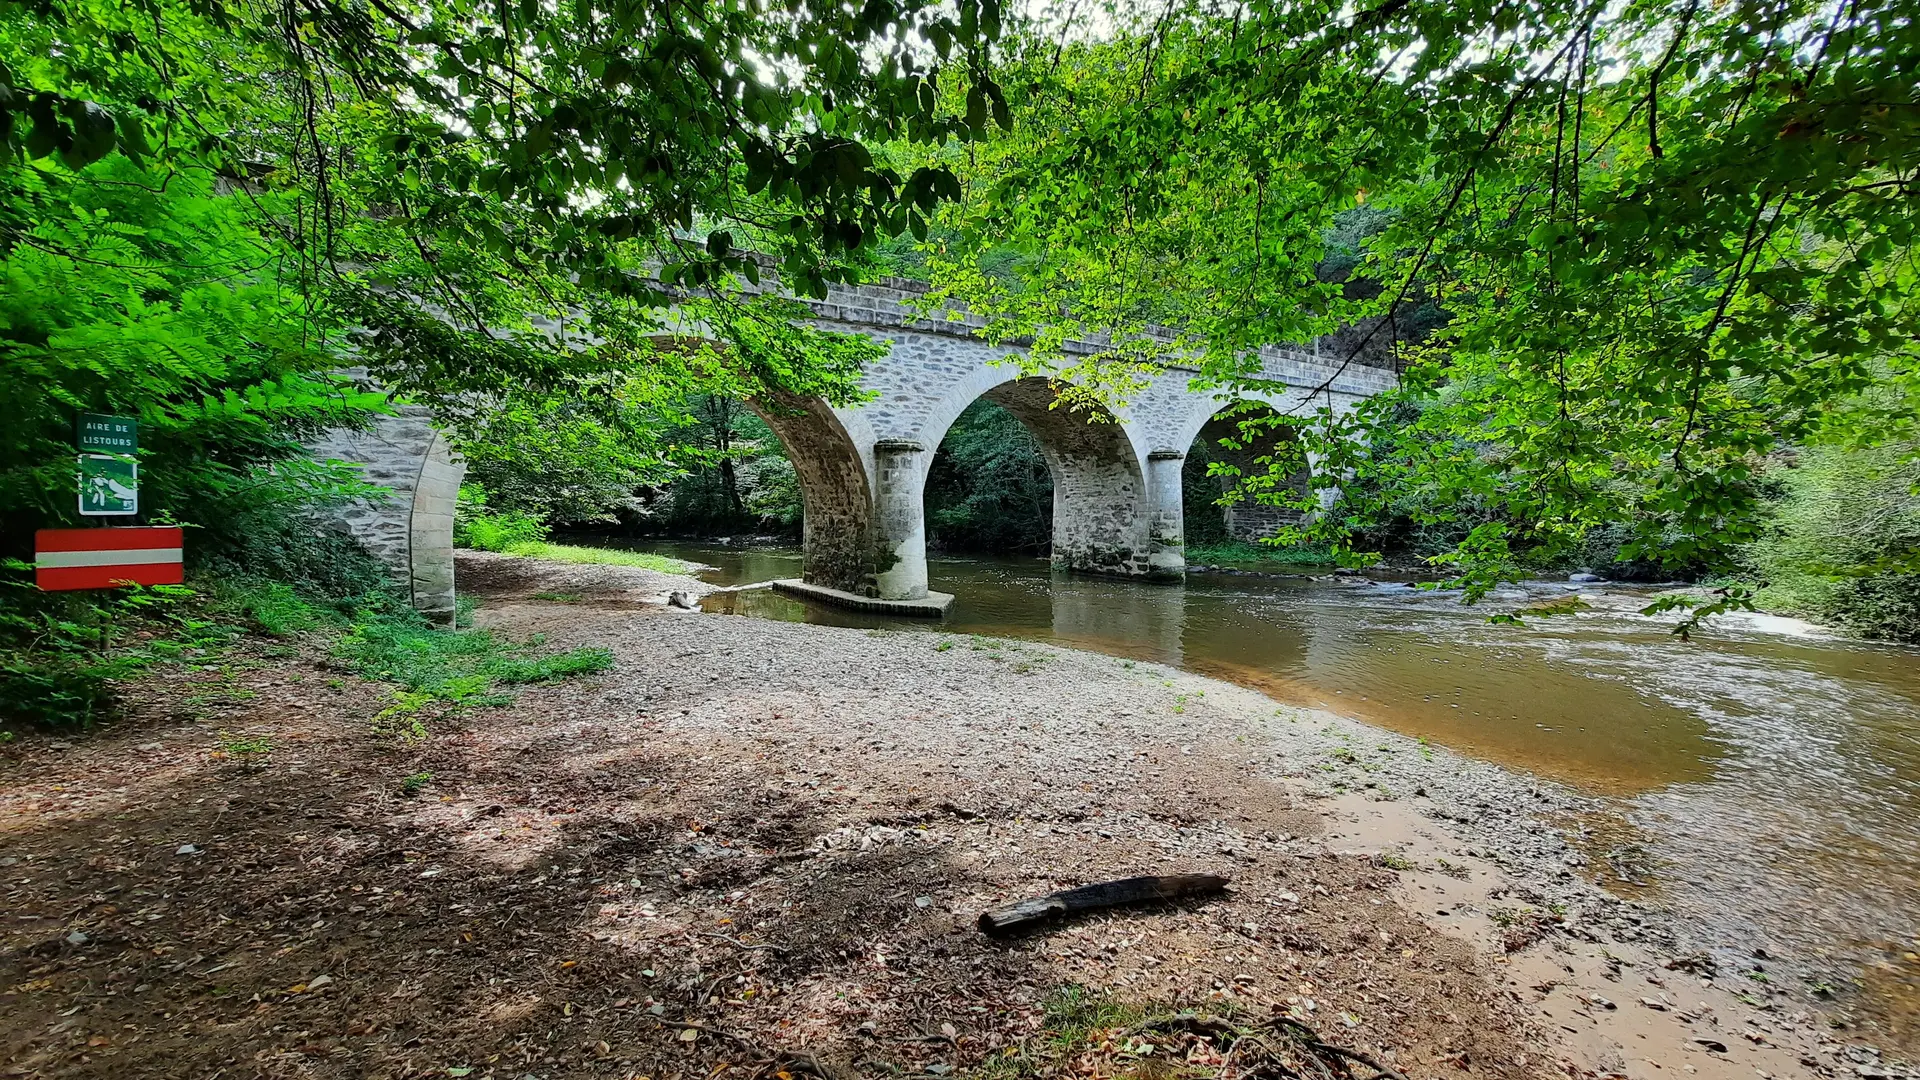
900	519
1166	527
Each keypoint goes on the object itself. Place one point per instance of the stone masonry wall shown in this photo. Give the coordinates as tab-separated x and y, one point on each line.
409	531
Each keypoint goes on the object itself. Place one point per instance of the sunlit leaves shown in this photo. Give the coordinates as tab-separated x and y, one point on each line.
1620	338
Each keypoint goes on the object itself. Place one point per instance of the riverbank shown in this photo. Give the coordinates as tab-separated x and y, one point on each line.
764	844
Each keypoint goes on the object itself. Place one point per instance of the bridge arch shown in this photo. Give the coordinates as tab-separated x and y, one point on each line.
1099	518
838	546
410	530
862	467
1252	450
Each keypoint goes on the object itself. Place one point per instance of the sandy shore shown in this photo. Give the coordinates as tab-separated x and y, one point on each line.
775	838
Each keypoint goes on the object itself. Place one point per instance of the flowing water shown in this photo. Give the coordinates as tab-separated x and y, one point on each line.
1765	776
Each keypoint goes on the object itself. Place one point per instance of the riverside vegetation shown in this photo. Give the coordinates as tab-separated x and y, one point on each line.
1646	271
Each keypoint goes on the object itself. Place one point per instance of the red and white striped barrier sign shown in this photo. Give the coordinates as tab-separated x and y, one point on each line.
106	558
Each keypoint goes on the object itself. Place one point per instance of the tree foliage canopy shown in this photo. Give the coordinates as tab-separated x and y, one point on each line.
1667	239
459	187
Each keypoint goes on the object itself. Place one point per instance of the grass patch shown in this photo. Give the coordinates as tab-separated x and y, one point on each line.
64	657
573	553
242	746
1087	1033
1245	556
450	668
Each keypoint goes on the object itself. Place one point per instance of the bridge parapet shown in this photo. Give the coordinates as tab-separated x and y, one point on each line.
893	302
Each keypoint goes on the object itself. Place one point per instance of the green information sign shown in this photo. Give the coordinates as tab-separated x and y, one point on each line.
107	434
109	485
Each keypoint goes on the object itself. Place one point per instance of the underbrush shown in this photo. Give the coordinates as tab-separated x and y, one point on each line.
63	654
1241	553
64	657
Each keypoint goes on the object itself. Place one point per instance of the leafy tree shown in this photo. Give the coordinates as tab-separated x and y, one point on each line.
147	295
521	169
1667	239
1844	546
550	457
735	474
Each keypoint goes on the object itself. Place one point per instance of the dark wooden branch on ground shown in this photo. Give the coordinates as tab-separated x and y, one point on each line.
1101	895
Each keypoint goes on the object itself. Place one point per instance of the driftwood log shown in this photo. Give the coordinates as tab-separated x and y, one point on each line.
1134	890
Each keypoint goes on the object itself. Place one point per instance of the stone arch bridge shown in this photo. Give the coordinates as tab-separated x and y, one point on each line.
1117	484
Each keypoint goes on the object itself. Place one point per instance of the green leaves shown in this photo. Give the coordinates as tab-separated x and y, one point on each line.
1591	336
144	294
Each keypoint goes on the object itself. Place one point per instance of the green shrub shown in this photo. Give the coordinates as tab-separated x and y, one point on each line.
477	526
274	608
1239	553
1847	545
504	530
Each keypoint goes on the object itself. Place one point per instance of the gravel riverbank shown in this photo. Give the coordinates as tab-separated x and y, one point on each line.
762	847
1481	853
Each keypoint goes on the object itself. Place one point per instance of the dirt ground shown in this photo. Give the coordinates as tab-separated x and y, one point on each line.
751	849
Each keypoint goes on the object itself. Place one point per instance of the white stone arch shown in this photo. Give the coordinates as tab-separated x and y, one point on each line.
1199	409
1101	506
1249	518
409	530
838	545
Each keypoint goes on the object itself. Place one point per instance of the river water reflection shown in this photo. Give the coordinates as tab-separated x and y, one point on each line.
1772	773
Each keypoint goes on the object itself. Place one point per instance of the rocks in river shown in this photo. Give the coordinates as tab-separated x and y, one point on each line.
1585	578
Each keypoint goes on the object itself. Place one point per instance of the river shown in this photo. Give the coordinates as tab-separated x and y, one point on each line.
1763	780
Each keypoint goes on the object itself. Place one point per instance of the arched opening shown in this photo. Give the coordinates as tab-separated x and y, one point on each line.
989	487
1248	438
837	542
1090	504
